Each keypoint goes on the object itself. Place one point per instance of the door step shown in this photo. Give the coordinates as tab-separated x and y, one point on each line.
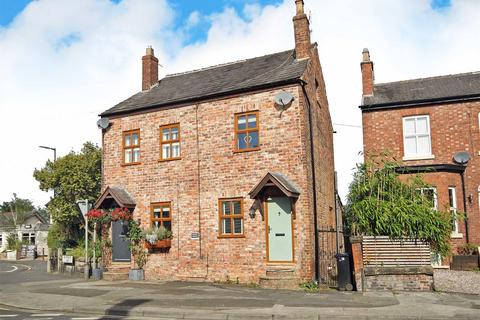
115	276
279	283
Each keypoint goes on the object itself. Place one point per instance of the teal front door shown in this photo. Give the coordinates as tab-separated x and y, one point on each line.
279	229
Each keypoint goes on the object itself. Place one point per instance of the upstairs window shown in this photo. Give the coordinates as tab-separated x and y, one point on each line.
162	215
131	147
416	137
246	131
231	218
170	142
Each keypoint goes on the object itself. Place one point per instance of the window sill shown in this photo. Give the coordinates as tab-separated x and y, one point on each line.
245	150
170	159
456	235
130	164
420	157
230	236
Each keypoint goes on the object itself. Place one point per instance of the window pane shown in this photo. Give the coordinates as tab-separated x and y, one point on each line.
253	139
167	225
237	208
156	213
166	134
136	155
165	151
165	212
226	208
127	140
429	194
409	126
241	123
174	133
135	139
128	156
156	224
423	146
226	226
238	225
451	201
176	150
252	120
422	125
410	146
242	141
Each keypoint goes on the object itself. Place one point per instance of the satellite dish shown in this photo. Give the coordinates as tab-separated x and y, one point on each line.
283	101
103	123
461	157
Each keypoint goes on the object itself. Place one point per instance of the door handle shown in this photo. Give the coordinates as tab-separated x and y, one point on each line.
269	229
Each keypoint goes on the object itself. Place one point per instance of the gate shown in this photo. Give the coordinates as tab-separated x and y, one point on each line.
327	238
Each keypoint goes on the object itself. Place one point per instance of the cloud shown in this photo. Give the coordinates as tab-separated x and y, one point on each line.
58	73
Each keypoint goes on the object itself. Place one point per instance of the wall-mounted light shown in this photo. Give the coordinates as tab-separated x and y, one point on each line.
470	198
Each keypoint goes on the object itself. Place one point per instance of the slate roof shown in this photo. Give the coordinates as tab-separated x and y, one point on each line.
449	87
278	179
256	73
119	195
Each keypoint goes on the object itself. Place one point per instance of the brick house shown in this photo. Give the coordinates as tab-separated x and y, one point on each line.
423	123
242	182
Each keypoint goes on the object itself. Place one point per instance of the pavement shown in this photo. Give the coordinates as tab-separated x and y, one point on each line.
199	300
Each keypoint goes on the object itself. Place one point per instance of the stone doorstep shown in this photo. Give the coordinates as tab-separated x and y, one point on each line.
280	273
115	276
279	283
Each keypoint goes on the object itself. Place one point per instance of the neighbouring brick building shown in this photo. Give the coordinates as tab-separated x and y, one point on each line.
244	183
423	123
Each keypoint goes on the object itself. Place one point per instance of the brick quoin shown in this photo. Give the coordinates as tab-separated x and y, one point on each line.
209	169
454	127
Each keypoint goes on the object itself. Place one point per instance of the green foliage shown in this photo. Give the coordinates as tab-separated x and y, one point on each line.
153	234
379	203
15	212
309	286
468	249
136	237
72	177
13	243
56	237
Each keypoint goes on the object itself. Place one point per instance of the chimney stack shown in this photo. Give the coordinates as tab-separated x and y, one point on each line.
301	26
149	69
367	73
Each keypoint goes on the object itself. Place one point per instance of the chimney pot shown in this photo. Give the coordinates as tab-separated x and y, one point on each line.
366	55
299	5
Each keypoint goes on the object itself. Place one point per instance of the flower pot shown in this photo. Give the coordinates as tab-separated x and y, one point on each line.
136	274
13	255
97	273
465	262
160	244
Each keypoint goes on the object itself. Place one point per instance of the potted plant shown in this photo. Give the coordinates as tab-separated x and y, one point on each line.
139	253
157	238
467	257
13	247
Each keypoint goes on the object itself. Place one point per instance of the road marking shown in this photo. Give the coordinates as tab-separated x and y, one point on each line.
25	266
3	308
94	318
46	315
8	315
14	268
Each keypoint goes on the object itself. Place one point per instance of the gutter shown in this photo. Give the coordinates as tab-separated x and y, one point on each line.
314	185
419	103
199	99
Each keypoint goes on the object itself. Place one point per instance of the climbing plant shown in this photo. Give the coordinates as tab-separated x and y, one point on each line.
381	203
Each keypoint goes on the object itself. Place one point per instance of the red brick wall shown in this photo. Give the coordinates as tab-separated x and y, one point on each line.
454	127
209	170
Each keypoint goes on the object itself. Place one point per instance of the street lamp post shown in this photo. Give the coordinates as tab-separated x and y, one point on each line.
54	160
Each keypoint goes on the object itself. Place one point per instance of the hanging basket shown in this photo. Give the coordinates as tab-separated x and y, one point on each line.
160	244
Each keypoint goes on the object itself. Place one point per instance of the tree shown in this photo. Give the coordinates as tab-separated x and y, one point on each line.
381	204
72	177
15	212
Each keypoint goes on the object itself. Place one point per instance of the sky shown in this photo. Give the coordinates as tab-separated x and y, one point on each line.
64	62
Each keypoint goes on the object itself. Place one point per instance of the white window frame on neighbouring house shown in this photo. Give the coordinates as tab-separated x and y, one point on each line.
414	137
1	239
435	198
452	207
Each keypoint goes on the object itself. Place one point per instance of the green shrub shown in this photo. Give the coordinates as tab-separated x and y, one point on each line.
13	243
468	249
56	237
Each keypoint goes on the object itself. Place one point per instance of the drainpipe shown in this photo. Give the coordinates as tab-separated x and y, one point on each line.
198	188
464	204
314	185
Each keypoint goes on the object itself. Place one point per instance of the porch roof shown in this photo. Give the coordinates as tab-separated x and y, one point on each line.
117	194
278	180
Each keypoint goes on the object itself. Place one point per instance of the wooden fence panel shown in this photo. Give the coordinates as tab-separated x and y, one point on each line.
382	252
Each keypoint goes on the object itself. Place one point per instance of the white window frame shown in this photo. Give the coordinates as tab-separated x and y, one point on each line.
452	207
435	197
417	155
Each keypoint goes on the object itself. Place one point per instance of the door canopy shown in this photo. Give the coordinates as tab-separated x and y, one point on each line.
275	181
115	197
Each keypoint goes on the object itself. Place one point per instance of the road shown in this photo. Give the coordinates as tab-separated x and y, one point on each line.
24	271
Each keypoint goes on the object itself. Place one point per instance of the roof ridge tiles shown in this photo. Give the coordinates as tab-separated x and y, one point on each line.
428	78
